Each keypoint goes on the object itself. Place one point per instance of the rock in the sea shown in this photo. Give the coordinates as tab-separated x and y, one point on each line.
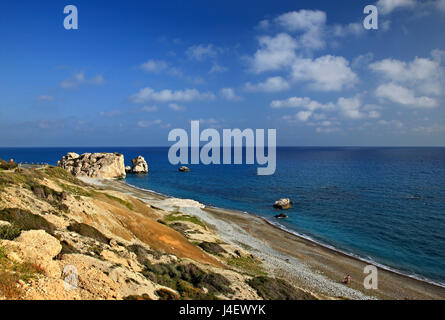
139	165
283	204
281	216
94	165
128	169
184	169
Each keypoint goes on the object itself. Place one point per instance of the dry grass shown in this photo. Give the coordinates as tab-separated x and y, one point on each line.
11	273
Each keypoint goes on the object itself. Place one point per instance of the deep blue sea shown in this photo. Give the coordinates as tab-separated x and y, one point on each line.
382	204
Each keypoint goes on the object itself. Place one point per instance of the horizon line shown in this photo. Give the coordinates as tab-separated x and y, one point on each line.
314	146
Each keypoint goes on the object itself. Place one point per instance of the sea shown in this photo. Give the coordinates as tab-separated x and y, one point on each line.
383	205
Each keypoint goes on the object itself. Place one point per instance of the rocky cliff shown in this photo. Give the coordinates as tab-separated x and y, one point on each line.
94	165
63	239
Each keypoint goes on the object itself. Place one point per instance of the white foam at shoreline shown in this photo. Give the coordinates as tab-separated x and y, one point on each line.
306	237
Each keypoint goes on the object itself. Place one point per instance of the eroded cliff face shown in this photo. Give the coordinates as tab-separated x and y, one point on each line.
94	165
117	246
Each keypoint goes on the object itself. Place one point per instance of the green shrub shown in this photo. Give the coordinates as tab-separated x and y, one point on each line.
277	289
88	231
141	253
248	265
136	297
165	294
9	232
188	280
25	220
59	173
74	190
7	165
121	201
212	247
183	217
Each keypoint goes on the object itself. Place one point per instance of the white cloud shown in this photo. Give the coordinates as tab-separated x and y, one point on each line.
423	74
387	6
327	130
263	25
395	123
80	79
297	102
413	83
202	52
146	124
273	84
404	96
218	69
274	53
326	73
354	29
229	94
111	113
441	5
302	20
149	109
419	69
310	22
45	98
177	107
363	60
350	108
374	114
149	94
434	128
209	121
304	115
155	66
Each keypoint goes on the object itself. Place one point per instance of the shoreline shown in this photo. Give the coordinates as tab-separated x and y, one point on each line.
312	260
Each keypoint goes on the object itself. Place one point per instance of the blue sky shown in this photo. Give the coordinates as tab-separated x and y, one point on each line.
134	70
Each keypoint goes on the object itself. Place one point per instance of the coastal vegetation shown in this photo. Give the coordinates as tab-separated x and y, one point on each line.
277	289
9	232
25	220
5	165
12	273
178	216
248	265
189	280
49	218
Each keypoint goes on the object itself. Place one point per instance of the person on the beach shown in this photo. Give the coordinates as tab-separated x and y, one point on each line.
347	279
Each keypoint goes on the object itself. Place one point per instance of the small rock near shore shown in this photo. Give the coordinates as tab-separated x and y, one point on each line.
281	216
283	204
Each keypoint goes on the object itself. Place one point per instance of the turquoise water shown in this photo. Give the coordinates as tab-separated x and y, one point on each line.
382	204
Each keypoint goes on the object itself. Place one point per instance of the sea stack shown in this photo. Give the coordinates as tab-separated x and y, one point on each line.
94	165
139	165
